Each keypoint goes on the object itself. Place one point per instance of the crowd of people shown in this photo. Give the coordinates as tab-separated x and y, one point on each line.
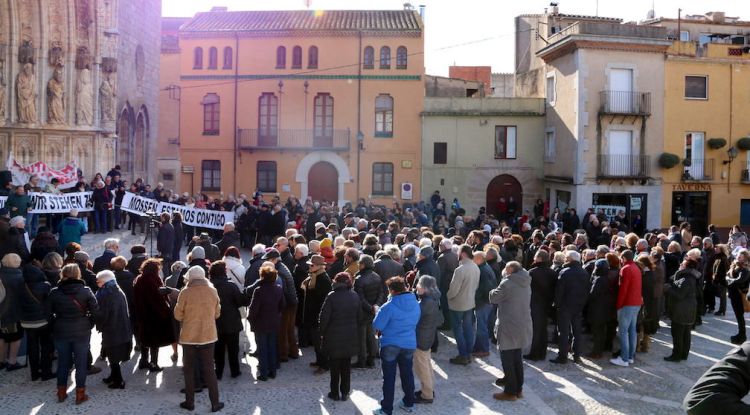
360	283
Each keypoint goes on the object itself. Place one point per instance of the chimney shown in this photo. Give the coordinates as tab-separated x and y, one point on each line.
218	9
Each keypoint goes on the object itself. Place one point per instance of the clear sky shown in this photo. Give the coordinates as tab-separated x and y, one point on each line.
475	32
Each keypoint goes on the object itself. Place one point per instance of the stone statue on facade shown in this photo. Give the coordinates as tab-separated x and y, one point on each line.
84	99
26	94
56	98
2	92
107	97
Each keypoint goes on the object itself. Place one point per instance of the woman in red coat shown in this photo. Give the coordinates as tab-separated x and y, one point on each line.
153	321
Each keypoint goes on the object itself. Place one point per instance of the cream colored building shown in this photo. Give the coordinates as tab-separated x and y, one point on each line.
481	149
603	84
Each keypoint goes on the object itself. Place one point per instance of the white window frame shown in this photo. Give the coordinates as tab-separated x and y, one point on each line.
550	145
553	75
695	98
685	38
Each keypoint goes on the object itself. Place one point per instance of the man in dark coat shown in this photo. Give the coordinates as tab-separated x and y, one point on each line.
316	287
447	262
426	265
287	345
17	238
299	274
211	250
229	323
387	265
230	238
571	292
252	274
103	262
602	306
368	286
165	242
543	279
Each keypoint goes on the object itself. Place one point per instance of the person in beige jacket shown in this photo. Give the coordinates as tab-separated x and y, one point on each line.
461	304
197	309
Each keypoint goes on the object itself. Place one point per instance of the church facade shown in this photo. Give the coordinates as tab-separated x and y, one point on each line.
79	82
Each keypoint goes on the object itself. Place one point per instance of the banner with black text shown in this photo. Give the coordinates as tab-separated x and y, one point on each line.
42	203
201	218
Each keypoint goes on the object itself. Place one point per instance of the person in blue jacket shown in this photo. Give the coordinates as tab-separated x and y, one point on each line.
397	322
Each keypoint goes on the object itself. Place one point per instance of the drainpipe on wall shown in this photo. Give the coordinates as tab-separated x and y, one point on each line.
236	131
731	101
359	112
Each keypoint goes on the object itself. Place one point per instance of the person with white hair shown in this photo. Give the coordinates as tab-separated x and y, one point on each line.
571	293
18	238
430	319
230	238
113	322
388	265
103	262
252	274
447	262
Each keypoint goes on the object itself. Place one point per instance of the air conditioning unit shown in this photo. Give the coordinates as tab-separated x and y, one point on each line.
407	189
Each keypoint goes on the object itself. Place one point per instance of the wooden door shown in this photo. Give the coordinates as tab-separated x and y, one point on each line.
323	182
505	186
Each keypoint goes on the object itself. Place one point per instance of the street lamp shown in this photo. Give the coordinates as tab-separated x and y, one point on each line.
731	154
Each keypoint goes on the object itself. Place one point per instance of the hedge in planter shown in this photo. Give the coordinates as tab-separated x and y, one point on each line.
668	160
716	143
743	143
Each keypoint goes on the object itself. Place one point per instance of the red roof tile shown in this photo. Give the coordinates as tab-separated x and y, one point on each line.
264	21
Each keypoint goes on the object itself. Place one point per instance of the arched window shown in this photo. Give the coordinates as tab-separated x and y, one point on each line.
312	57
401	57
213	58
280	57
210	114
384	116
198	58
268	120
368	61
227	58
297	57
385	57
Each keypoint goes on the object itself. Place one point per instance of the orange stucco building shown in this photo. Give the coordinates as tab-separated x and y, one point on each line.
322	104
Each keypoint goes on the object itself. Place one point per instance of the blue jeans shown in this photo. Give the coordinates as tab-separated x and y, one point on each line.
464	330
391	358
267	356
627	317
100	220
32	223
70	352
483	313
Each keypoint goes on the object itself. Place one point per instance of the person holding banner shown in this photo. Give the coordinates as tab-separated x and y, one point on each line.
18	203
102	204
32	220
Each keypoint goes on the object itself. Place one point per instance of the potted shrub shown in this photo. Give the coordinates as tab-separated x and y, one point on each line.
668	160
743	143
716	143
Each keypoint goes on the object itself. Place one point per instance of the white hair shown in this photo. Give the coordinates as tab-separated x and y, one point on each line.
573	256
229	226
425	242
303	249
446	244
362	222
111	243
259	249
392	251
338	241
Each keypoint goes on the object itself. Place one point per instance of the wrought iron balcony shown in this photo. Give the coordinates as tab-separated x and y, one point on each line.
745	176
623	166
625	103
698	170
294	139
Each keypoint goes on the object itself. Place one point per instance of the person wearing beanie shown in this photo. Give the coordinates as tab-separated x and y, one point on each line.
601	312
113	322
18	238
198	307
326	250
197	258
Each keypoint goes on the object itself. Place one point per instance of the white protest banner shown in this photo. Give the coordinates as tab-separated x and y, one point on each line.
50	203
610	211
68	175
139	205
201	218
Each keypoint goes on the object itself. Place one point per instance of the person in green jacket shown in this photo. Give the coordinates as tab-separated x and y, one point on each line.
18	203
70	230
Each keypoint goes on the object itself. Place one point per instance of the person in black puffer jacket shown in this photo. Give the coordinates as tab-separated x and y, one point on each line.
601	309
10	320
738	280
35	321
430	319
339	321
229	323
114	324
316	287
72	304
138	256
299	274
368	286
125	281
682	293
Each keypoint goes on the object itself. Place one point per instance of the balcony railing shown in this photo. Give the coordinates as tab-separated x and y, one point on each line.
294	139
698	170
625	102
624	166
